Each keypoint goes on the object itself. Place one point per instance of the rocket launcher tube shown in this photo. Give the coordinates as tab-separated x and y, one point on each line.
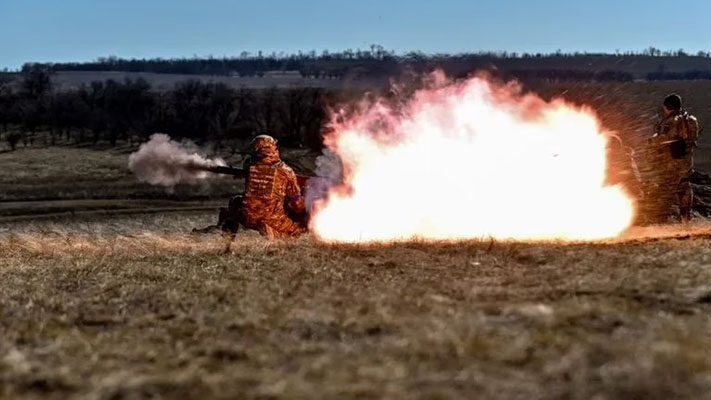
242	173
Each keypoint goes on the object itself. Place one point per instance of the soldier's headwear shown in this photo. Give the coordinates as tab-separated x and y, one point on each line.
264	146
673	102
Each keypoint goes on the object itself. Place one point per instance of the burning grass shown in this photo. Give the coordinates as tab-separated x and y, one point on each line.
134	308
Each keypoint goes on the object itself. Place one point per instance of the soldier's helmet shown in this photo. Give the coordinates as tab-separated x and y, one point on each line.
263	146
672	102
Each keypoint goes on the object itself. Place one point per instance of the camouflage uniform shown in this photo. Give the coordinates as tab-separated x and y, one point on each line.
672	156
272	202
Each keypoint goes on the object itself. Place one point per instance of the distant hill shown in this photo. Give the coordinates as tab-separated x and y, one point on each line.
370	70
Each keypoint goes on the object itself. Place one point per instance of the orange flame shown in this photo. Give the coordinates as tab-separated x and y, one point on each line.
471	160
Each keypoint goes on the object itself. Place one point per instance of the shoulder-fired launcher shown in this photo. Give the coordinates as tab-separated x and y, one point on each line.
242	173
224	170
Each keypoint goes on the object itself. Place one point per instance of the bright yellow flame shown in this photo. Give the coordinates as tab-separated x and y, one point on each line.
471	160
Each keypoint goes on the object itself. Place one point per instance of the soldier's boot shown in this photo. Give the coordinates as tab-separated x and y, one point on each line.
207	229
215	227
227	218
224	223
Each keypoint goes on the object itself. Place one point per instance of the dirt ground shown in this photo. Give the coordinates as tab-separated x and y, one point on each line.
137	308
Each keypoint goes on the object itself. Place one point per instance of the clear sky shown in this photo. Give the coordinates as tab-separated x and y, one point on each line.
81	30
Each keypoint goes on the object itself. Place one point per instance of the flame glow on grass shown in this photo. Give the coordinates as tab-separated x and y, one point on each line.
470	160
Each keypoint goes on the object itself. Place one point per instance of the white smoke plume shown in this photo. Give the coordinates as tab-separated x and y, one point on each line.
165	162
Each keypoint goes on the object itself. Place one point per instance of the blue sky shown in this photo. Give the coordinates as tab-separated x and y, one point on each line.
79	30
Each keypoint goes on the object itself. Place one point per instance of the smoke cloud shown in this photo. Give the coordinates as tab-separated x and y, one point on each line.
165	162
329	173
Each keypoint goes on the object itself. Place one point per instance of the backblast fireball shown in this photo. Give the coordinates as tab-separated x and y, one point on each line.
475	159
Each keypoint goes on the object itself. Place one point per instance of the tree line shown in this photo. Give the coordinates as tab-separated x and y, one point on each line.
678	76
246	64
375	61
127	111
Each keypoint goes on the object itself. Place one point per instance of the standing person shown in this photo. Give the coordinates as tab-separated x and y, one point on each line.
673	142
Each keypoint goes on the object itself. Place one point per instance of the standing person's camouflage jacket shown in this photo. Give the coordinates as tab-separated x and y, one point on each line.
676	136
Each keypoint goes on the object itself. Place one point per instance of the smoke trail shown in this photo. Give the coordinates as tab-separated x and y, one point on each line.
162	161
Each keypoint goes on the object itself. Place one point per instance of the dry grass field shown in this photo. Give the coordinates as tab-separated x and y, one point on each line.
137	308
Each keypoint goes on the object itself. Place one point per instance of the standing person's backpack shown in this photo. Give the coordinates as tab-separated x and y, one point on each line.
683	146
